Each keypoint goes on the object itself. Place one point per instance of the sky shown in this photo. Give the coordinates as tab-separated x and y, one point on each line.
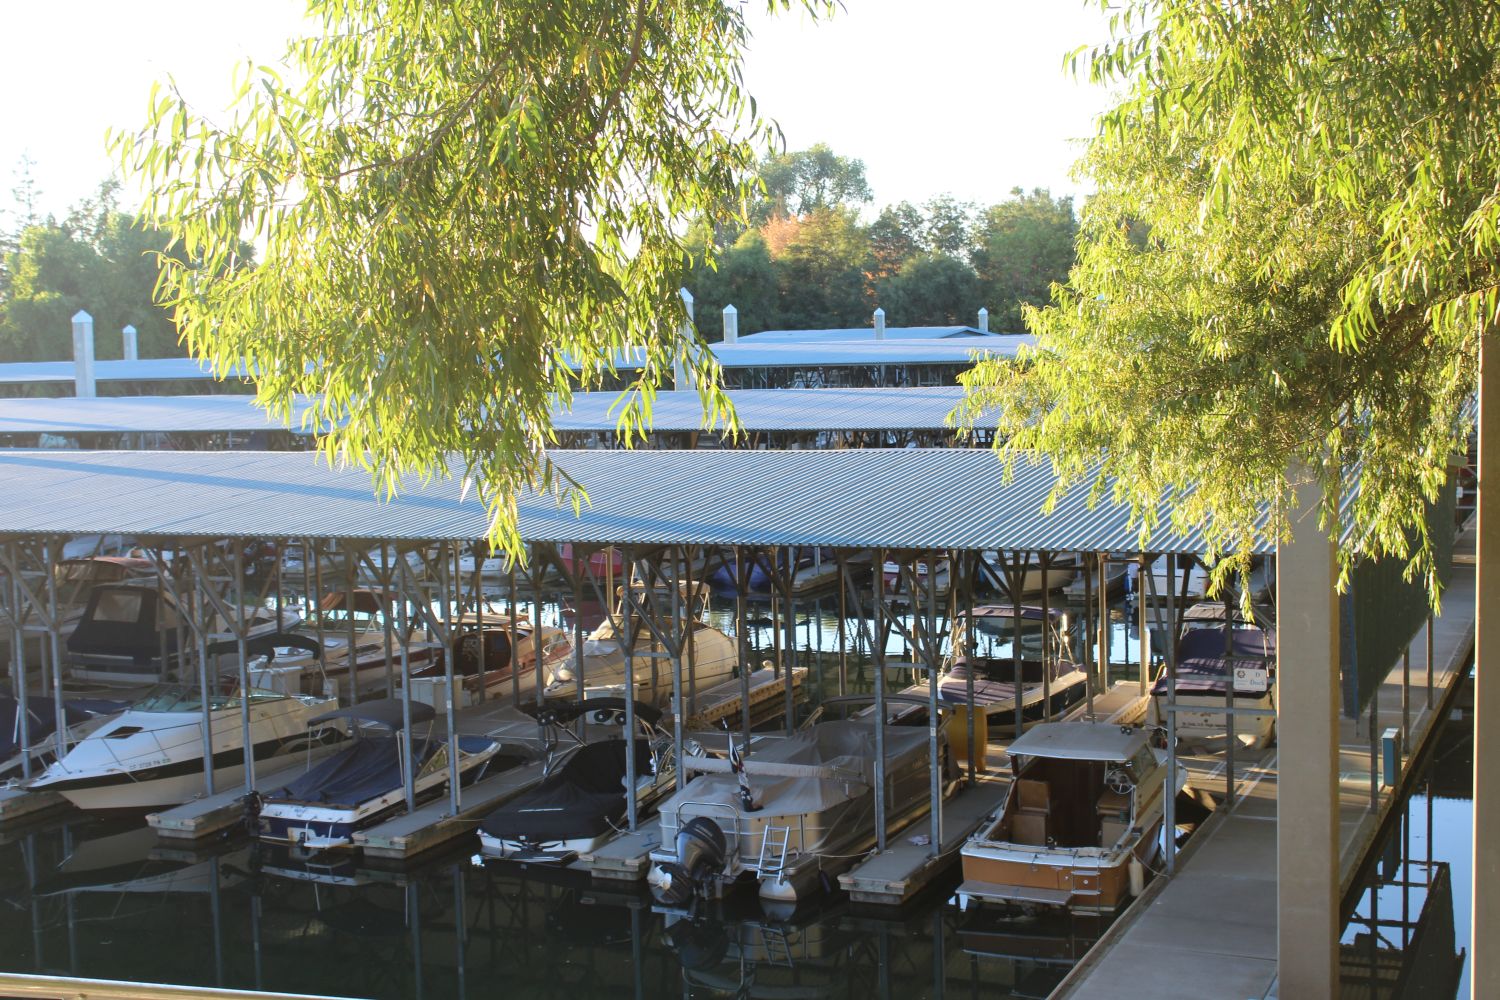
966	97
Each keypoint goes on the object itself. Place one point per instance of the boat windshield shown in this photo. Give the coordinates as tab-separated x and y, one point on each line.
187	698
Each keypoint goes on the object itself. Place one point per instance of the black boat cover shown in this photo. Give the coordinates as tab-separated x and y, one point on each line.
43	718
365	769
582	800
1201	666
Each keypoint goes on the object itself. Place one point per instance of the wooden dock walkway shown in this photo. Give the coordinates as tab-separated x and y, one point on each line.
17	804
1215	919
907	866
625	859
432	825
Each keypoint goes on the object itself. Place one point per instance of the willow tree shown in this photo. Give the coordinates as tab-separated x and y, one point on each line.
1291	258
460	210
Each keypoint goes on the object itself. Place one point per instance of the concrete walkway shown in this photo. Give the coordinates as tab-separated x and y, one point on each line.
1210	931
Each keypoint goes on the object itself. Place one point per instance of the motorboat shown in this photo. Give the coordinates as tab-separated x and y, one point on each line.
1215	667
1059	573
80	716
1080	825
1189	583
1051	680
790	813
128	634
582	801
152	754
364	781
712	659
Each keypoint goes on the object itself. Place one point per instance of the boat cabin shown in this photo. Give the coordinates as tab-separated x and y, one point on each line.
1076	785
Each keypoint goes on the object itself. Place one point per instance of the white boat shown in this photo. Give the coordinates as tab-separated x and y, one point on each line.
365	781
798	808
1080	825
1060	573
927	580
128	634
153	755
1190	582
581	803
1209	667
713	658
1048	673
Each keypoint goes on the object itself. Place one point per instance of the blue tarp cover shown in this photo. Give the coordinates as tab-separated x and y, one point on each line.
1201	666
44	718
367	768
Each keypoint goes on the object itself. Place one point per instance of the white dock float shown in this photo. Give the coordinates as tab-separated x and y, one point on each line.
625	859
905	869
211	814
432	825
1122	705
18	803
722	701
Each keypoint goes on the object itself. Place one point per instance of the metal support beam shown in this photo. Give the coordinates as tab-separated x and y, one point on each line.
1307	687
1485	924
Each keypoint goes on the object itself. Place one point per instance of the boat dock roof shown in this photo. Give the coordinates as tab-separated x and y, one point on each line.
920	498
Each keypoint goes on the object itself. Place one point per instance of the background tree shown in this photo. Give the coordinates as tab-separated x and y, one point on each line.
456	202
895	238
1316	188
97	259
1022	246
745	277
810	180
821	265
931	291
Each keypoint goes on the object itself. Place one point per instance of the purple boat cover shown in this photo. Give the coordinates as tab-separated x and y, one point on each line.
1201	666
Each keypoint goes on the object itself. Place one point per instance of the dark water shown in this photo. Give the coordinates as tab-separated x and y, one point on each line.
1409	931
94	898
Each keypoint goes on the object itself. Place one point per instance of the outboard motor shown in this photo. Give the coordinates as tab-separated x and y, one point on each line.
701	850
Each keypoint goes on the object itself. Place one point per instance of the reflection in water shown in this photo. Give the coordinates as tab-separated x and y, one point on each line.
1407	932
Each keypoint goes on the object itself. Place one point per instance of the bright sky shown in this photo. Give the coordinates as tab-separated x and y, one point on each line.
960	96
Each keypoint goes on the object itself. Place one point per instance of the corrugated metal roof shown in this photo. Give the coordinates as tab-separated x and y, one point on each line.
141	370
957	350
138	414
903	498
780	409
759	410
863	333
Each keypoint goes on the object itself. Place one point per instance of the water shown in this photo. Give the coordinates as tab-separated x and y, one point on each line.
97	898
1410	924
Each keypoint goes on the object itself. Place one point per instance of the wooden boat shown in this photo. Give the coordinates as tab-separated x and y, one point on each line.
1081	824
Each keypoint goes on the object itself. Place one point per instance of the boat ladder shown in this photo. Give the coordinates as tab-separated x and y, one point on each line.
773	850
778	949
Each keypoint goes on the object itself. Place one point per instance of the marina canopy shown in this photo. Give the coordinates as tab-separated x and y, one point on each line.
862	333
951	350
924	498
759	410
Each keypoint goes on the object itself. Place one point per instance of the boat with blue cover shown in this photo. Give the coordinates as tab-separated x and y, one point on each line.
365	781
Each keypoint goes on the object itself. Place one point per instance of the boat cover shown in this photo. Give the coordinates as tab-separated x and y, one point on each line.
1201	666
584	799
367	768
42	723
